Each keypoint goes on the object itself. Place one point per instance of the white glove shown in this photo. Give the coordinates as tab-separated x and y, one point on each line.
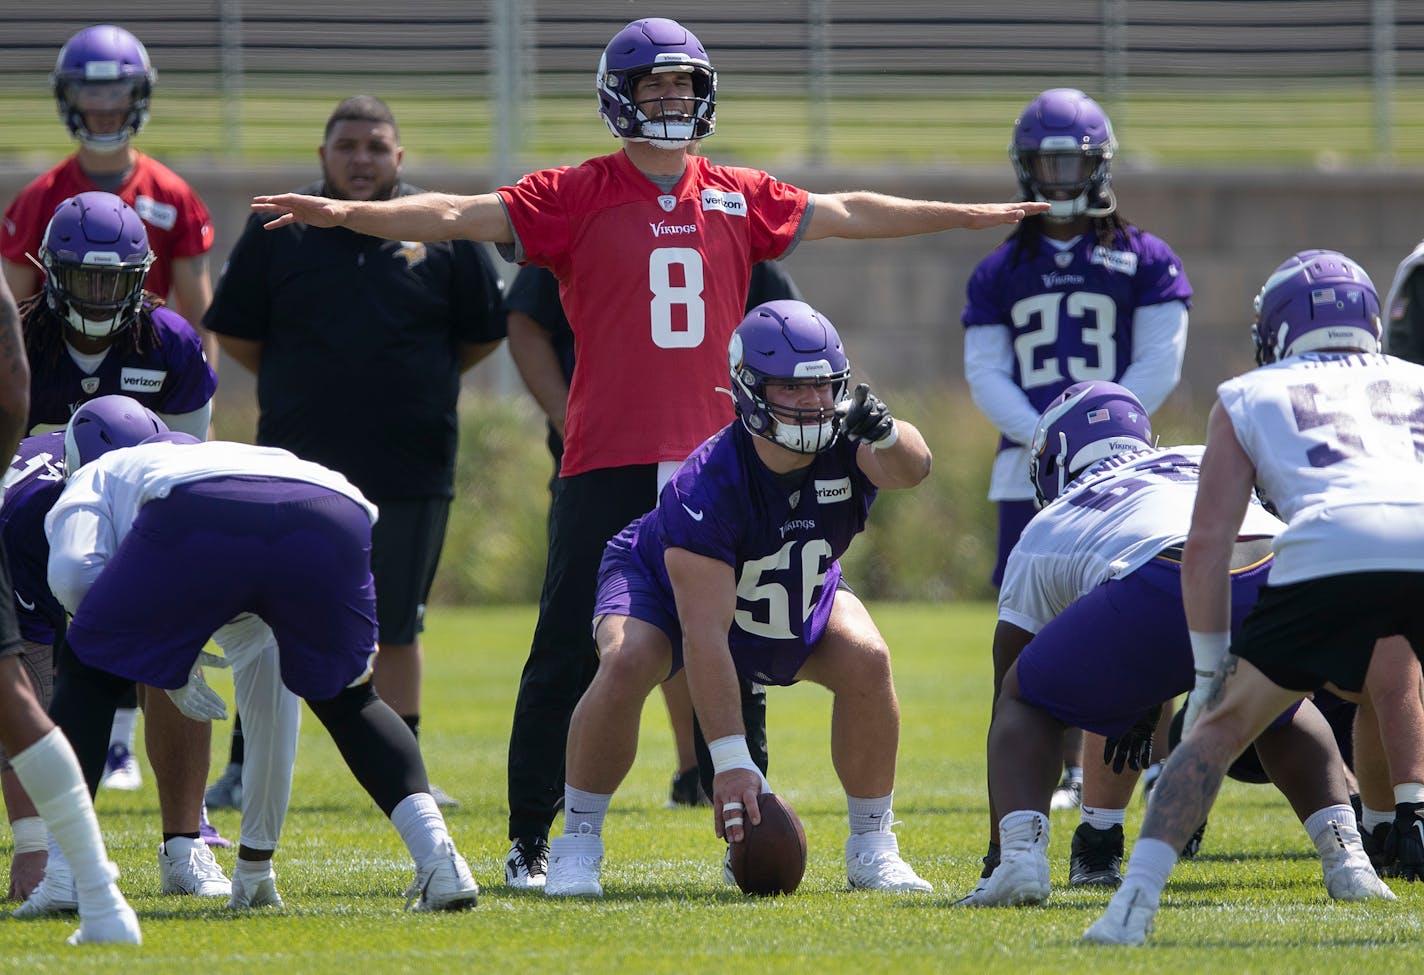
1196	700
199	701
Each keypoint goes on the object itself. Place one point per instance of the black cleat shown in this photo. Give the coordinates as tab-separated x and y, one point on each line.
687	790
1096	859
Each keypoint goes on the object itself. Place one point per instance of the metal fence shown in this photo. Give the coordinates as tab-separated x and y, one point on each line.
820	81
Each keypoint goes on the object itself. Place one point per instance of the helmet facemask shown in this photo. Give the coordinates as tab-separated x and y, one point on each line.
96	258
1062	150
651	46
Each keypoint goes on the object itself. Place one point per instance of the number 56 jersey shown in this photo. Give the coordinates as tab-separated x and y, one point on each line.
1337	440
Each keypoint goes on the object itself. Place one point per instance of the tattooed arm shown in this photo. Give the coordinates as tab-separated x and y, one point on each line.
14	375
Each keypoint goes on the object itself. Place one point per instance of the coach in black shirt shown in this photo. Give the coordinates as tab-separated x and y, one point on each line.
358	344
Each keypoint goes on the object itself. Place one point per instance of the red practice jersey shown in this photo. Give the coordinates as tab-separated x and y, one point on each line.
654	284
175	217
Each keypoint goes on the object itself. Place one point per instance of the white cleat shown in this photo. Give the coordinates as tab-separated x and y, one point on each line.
118	926
873	863
255	890
1128	918
1349	875
55	894
187	867
1020	878
527	864
121	770
575	864
442	883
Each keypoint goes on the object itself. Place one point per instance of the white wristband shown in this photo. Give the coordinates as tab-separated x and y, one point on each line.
731	752
890	439
1208	650
29	835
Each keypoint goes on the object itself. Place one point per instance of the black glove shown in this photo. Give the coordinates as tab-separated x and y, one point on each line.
1406	841
1134	747
867	418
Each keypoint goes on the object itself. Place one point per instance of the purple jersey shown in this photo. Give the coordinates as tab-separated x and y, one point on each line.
1070	312
32	484
171	377
783	536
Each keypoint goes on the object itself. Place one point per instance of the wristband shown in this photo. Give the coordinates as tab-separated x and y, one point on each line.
29	835
889	439
1208	650
729	753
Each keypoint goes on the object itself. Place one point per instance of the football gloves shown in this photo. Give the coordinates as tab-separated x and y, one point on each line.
197	700
865	417
1133	748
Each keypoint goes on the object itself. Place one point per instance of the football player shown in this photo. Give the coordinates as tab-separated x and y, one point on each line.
1329	429
256	545
653	247
736	572
1075	294
1103	557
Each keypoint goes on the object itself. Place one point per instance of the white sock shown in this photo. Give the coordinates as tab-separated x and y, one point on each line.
1371	818
1023	829
50	774
584	811
1409	792
1074	773
870	815
1320	825
1100	818
180	846
253	872
421	826
122	732
1151	864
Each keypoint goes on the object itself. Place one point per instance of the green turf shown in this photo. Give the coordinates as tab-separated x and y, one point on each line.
1247	125
1252	903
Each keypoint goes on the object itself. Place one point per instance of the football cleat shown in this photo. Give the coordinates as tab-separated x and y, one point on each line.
121	770
226	790
527	864
1348	873
442	798
1376	844
55	894
186	866
873	863
209	834
1194	843
1020	878
254	889
1068	794
575	865
442	883
118	926
1405	845
1096	859
1128	918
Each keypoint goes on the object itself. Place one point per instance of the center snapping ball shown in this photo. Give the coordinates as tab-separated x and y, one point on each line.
771	858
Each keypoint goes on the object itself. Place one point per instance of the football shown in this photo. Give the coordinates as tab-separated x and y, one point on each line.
771	859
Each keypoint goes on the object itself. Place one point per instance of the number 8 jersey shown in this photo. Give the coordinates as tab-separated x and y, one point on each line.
653	284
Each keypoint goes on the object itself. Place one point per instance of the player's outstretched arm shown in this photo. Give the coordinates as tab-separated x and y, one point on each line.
863	214
895	454
425	216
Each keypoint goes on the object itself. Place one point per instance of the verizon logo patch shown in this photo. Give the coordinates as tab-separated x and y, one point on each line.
734	204
142	380
829	492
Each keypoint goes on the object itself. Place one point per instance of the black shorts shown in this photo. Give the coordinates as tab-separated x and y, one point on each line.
1306	633
405	552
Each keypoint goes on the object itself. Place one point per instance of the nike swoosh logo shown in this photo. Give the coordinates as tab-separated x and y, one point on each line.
582	812
26	606
694	515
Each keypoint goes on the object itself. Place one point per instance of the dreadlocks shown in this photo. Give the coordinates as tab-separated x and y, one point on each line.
1107	230
45	332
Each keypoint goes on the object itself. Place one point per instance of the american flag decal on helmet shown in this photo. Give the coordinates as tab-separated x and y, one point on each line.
1097	416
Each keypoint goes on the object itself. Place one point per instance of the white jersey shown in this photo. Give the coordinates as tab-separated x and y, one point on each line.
1106	524
101	499
1337	440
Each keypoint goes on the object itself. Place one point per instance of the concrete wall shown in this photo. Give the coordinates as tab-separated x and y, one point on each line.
897	302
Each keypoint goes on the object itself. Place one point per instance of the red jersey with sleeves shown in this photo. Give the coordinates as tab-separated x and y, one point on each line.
654	284
175	217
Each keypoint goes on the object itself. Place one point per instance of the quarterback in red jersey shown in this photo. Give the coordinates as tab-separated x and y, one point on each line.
102	82
653	249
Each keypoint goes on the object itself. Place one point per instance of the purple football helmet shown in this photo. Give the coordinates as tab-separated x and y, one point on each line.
1062	147
1086	423
171	436
787	342
107	423
645	47
1317	299
96	256
112	67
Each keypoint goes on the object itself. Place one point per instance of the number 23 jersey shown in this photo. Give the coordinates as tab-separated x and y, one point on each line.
653	284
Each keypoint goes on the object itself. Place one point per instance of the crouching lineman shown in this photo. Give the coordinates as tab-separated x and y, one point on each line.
1330	430
225	530
1091	613
735	572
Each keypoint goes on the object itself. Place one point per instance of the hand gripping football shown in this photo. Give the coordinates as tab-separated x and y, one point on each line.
771	859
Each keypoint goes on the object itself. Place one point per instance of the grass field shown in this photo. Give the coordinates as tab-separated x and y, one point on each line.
1253	902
